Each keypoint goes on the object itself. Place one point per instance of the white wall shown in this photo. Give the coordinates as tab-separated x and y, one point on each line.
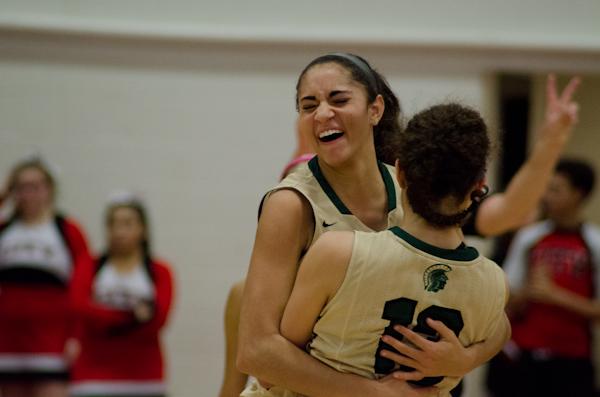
192	105
201	144
522	23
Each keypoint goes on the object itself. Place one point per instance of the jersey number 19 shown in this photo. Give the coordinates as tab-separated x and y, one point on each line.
401	312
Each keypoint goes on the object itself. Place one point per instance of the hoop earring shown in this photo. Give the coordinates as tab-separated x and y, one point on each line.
479	194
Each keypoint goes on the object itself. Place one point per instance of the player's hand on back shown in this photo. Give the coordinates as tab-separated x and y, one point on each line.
446	357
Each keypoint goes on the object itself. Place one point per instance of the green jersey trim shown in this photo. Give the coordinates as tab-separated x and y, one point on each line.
388	181
462	254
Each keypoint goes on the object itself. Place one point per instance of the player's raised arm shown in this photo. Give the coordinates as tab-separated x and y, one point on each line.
510	209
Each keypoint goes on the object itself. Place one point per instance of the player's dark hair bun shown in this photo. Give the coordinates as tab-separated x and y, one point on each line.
443	153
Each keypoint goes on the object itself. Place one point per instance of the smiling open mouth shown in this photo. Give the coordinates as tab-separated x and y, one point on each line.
330	135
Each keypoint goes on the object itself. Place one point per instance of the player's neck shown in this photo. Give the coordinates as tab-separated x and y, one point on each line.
447	237
358	173
360	186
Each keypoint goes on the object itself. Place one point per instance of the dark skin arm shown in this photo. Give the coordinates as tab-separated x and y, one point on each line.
506	211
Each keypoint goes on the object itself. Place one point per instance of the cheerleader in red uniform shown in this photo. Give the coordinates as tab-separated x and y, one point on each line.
39	252
122	305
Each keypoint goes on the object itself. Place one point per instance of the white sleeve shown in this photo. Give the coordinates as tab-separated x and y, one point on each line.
591	235
517	261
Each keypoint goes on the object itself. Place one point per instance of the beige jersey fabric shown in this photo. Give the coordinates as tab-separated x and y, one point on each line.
394	278
329	211
394	272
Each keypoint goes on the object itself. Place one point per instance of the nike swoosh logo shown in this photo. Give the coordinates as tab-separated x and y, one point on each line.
325	224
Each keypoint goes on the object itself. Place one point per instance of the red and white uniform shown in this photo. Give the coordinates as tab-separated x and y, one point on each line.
36	267
119	355
572	259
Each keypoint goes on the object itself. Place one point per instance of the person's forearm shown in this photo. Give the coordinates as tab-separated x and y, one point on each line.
278	361
576	303
529	184
510	209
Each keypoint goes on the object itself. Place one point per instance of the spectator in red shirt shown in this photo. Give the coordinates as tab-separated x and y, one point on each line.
553	271
39	252
122	303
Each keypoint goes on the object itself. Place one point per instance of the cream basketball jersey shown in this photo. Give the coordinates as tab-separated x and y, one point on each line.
394	278
330	213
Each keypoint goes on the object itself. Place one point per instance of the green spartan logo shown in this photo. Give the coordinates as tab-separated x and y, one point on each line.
435	277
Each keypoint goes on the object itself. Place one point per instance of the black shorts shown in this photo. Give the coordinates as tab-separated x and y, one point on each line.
531	376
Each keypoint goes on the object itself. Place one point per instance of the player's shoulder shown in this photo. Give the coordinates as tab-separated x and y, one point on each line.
295	182
285	201
383	237
333	248
490	265
493	273
299	177
331	251
335	244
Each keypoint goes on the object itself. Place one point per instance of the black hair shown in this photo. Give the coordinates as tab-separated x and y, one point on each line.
580	174
386	132
140	210
443	154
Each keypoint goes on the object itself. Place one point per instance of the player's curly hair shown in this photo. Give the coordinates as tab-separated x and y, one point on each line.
443	153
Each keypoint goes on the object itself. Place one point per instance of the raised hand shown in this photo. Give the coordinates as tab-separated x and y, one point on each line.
561	113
